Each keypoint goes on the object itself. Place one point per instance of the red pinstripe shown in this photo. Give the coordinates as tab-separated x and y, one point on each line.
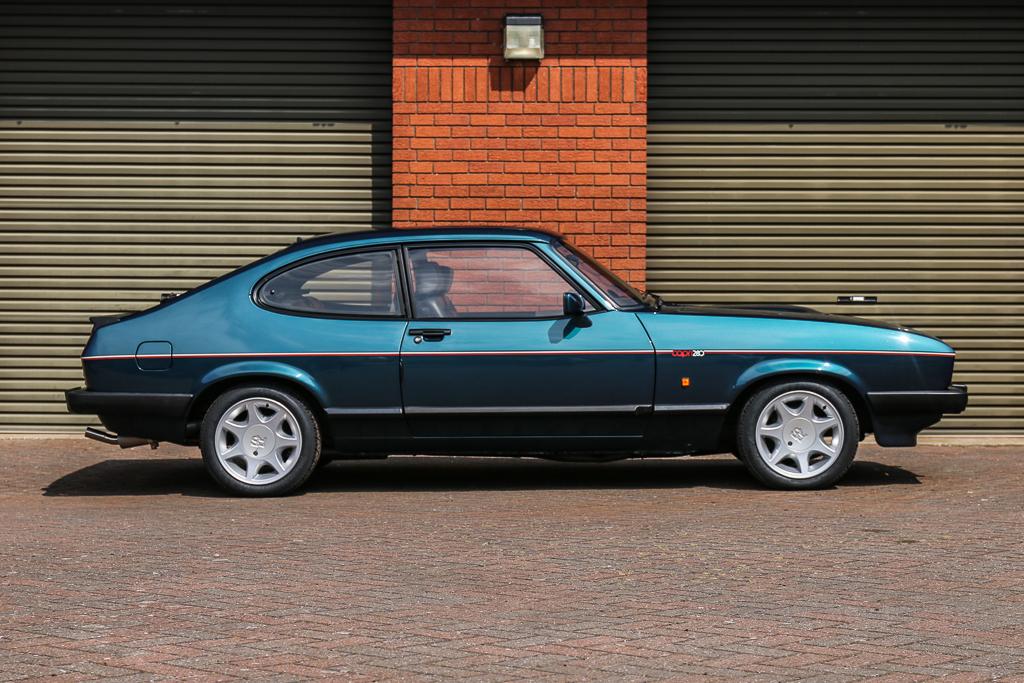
240	355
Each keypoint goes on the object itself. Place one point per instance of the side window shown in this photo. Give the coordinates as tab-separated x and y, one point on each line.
484	282
353	284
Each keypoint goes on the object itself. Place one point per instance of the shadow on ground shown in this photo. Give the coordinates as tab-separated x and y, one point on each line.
140	477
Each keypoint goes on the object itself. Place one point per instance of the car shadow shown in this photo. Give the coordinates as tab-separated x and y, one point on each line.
170	476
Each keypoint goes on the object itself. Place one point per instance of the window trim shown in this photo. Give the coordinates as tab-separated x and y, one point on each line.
599	307
401	291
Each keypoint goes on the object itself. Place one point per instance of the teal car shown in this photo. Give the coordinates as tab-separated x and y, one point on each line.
495	342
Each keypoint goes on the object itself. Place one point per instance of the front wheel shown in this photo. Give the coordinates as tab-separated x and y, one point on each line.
798	435
260	441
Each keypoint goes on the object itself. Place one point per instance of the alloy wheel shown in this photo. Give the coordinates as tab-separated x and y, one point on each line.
258	441
799	434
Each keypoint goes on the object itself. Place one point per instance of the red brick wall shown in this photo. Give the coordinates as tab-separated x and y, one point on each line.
499	281
559	145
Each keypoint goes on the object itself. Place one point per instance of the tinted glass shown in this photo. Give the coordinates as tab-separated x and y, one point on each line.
354	284
484	282
620	293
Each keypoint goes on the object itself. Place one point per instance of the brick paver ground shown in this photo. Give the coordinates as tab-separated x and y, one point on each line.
130	564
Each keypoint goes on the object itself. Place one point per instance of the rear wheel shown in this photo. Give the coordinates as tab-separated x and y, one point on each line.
260	441
798	435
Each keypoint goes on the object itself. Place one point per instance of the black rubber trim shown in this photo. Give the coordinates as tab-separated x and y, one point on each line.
85	402
952	400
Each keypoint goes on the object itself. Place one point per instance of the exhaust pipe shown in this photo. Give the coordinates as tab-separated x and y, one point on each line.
115	440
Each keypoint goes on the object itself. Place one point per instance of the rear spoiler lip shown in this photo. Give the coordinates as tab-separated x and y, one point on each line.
99	321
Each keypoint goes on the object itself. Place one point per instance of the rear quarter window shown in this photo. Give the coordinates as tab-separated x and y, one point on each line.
361	284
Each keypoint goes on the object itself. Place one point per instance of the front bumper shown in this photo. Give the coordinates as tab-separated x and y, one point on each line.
160	417
898	416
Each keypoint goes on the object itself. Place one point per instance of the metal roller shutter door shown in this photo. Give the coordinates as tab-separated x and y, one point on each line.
149	146
798	152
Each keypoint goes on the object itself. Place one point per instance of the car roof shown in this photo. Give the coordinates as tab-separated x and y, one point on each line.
324	243
391	235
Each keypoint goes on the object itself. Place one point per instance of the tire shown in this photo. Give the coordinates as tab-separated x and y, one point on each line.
260	441
784	433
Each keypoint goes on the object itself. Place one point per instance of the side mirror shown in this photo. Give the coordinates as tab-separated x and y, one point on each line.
573	304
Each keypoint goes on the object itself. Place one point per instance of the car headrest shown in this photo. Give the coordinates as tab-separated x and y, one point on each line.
432	279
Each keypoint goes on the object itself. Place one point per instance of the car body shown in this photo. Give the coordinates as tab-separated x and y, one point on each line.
495	341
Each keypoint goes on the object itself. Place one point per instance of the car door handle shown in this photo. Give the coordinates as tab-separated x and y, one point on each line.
429	333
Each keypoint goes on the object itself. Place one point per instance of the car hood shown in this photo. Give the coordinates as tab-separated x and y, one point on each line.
778	312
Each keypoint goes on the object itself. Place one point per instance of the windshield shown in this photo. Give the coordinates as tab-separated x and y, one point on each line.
613	287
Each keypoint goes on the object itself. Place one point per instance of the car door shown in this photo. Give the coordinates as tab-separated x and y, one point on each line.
491	361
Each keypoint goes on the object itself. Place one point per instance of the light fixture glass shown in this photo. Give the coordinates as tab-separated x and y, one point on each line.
524	36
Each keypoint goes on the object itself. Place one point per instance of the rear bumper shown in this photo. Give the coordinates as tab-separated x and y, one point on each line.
160	417
85	402
898	416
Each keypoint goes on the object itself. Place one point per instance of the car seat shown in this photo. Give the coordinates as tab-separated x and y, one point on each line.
432	283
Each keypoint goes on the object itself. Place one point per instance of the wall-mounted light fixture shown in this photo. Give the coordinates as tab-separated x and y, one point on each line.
524	36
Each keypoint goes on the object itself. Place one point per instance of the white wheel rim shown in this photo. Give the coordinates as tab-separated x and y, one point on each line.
258	441
799	434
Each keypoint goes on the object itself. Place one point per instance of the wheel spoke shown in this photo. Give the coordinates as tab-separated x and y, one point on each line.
779	455
807	409
234	430
795	412
236	423
803	461
274	460
287	439
824	423
252	467
276	420
821	447
233	426
259	407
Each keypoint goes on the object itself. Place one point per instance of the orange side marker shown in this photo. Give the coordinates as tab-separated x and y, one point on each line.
684	382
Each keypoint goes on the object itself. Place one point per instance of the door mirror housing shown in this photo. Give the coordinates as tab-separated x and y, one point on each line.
573	304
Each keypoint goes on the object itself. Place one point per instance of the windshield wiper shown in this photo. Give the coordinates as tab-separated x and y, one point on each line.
656	300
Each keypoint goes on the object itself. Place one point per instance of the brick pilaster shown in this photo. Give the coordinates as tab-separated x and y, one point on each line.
559	145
